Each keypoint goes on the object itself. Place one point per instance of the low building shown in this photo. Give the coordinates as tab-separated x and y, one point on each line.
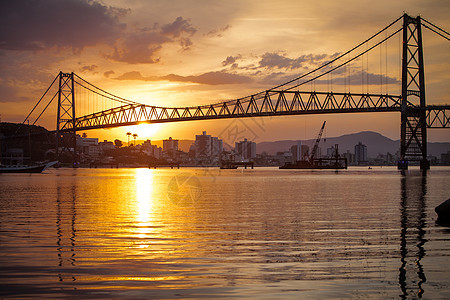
350	157
445	158
13	156
106	145
87	147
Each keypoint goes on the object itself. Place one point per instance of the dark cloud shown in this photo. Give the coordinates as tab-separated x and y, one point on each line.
181	29
357	78
109	73
178	28
363	78
209	78
91	68
217	32
134	75
277	78
143	45
230	60
139	47
41	24
276	60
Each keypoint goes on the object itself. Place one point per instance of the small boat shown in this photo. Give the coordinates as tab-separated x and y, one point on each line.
227	164
228	167
319	163
39	168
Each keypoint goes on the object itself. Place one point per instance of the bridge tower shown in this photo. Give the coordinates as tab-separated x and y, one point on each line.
65	118
413	139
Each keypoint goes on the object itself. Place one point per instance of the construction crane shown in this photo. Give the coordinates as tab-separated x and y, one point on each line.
316	144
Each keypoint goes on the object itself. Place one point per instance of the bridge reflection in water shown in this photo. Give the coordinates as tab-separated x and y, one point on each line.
412	240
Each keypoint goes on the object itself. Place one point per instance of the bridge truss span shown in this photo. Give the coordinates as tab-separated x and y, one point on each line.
272	103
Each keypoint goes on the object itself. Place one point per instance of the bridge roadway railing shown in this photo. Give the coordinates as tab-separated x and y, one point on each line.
272	103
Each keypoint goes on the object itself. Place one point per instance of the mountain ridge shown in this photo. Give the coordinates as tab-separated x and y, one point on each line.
376	144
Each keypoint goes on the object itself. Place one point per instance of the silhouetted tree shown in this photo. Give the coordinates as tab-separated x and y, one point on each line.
118	143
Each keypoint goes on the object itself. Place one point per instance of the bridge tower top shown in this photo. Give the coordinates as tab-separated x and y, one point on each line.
66	115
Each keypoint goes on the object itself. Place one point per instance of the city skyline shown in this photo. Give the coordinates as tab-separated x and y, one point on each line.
179	54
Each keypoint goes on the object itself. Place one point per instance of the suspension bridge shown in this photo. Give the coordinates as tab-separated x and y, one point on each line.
284	99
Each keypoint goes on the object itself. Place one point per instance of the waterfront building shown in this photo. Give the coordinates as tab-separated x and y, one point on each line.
88	146
106	145
445	158
299	151
13	156
216	146
331	152
349	156
170	145
151	150
206	145
245	150
360	153
203	145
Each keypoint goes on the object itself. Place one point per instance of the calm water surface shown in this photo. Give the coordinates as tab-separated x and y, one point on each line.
192	233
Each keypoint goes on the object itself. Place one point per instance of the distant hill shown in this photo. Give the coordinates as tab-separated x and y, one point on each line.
375	142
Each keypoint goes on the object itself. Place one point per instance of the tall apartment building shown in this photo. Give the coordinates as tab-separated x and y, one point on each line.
245	150
299	151
170	145
360	153
207	146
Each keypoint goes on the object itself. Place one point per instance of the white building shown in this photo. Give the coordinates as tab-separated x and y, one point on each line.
88	146
299	151
106	145
360	153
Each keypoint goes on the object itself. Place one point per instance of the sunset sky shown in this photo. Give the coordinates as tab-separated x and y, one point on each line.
191	52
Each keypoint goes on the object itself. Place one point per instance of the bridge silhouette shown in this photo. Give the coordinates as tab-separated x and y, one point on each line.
284	99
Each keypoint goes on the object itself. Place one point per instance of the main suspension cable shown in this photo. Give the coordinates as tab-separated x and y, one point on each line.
437	27
123	100
57	76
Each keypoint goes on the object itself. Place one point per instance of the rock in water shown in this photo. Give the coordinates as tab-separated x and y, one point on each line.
443	212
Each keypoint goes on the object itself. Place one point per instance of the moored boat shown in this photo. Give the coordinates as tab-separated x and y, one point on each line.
38	168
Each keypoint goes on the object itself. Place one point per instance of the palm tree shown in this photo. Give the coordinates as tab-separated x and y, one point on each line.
128	134
135	136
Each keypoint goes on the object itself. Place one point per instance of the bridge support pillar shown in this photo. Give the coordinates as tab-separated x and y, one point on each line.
413	139
66	141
